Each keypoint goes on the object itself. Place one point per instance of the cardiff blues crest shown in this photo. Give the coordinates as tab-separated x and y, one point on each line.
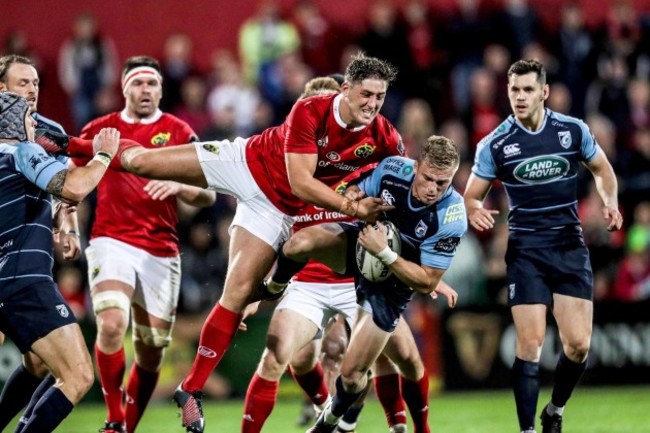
565	138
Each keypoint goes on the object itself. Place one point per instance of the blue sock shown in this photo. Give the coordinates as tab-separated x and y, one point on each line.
525	376
567	375
351	415
17	392
51	409
286	268
342	400
36	396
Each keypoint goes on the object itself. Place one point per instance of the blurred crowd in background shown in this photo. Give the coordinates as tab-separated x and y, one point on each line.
452	81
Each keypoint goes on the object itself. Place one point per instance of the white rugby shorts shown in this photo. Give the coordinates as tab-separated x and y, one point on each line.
226	171
156	280
320	302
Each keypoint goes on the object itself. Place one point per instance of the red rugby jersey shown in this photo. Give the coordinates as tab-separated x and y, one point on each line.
124	210
315	126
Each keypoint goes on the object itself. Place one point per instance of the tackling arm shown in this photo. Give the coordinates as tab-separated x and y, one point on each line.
300	170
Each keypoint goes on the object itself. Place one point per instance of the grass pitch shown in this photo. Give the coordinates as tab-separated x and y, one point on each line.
591	410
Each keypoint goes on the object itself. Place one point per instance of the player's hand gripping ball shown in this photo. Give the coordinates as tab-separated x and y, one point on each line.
370	266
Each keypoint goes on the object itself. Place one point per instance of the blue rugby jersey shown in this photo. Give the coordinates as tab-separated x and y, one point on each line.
436	229
25	215
539	171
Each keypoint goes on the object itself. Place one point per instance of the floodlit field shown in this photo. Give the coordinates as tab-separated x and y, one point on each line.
592	410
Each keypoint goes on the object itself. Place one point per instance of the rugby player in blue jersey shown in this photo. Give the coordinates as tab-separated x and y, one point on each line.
430	217
18	75
536	154
32	311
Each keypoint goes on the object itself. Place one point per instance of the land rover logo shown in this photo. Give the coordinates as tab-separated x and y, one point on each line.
541	169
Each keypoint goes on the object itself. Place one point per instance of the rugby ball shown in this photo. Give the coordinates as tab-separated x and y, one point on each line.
370	266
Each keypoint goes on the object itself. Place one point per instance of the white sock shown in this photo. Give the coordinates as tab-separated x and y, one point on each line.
551	409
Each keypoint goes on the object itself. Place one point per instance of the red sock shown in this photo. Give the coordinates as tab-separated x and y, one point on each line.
416	395
260	399
138	393
313	383
388	393
218	332
111	374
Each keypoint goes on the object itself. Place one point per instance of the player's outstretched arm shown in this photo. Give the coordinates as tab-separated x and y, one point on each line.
74	185
188	194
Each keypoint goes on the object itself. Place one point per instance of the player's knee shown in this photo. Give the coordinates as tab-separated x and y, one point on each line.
334	349
112	309
152	337
577	352
273	365
298	245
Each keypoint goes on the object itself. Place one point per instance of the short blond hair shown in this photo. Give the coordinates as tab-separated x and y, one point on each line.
320	86
439	152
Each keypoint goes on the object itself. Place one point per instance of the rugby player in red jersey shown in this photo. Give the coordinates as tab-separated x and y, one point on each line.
133	257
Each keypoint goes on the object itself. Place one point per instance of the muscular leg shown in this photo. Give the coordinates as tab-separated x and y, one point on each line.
402	350
325	243
149	351
288	332
111	300
245	273
366	343
574	319
178	163
64	352
530	326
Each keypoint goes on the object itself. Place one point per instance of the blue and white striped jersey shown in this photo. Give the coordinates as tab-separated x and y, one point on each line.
539	171
436	229
25	215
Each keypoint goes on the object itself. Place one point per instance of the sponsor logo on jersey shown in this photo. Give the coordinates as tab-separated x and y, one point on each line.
340	165
364	151
407	171
212	148
447	245
333	156
421	229
394	165
454	213
34	161
387	197
541	169
95	272
161	138
322	142
565	138
207	352
7	244
556	123
511	291
510	150
63	310
340	188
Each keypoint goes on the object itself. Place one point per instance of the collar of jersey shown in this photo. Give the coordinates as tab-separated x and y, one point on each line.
146	121
541	128
337	115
